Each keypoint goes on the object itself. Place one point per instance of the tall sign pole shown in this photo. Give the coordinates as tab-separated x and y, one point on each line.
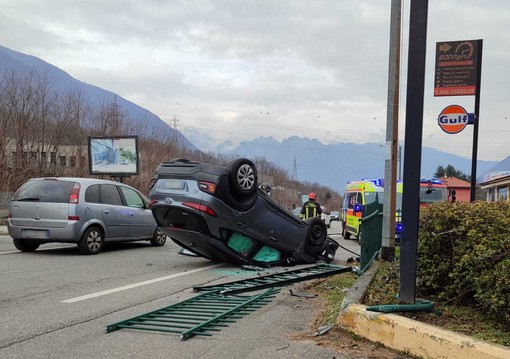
412	149
390	162
477	117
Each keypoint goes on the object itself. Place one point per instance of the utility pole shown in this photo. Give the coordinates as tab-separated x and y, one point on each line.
390	162
400	162
294	170
176	123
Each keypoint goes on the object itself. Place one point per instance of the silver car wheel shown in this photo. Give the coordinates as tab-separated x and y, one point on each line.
94	241
246	177
159	238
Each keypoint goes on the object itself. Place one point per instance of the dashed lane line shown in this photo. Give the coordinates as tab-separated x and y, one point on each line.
139	284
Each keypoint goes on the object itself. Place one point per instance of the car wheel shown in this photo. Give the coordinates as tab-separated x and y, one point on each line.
92	241
158	238
243	177
345	234
24	245
360	238
317	231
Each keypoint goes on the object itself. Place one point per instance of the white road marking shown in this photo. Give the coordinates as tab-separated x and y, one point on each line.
10	252
40	249
134	285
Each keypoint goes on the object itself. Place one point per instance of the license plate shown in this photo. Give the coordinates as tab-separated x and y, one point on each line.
31	233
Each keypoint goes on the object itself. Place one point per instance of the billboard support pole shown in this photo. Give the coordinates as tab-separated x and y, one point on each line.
476	121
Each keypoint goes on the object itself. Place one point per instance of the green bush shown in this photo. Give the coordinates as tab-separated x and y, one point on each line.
463	251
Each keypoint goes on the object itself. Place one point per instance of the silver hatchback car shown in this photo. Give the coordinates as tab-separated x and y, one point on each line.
85	211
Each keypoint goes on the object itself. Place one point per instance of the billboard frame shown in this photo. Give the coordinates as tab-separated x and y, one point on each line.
119	158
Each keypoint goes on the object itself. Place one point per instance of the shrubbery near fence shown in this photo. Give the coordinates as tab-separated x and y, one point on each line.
464	255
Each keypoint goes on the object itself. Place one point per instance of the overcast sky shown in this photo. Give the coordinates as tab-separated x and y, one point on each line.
241	69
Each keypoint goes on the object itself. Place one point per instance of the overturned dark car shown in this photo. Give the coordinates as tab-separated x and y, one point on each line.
222	214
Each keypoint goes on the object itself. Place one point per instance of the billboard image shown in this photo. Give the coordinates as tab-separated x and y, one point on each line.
116	156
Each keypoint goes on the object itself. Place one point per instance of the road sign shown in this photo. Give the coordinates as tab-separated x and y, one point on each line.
454	118
456	68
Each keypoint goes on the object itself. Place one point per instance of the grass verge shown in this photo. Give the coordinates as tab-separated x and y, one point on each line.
466	320
332	291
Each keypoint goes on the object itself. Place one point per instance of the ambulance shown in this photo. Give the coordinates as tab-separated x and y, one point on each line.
431	191
359	193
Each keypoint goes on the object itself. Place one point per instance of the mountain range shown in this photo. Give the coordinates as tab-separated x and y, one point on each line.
308	159
336	163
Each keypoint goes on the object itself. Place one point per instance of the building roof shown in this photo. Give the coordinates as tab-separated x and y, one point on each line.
497	171
455	182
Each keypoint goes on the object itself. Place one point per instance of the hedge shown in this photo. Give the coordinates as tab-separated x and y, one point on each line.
464	255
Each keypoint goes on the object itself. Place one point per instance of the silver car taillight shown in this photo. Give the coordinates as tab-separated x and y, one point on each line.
74	196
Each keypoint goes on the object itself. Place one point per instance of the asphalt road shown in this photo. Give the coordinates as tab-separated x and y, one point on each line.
56	303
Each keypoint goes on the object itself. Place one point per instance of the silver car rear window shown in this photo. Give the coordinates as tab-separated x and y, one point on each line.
45	191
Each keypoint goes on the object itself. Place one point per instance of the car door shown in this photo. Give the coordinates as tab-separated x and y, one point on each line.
141	220
116	215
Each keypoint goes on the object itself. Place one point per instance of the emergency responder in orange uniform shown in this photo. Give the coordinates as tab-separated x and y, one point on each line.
311	208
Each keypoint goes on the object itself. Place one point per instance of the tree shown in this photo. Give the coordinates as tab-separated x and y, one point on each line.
450	171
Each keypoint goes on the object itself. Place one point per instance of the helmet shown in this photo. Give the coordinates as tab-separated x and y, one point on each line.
311	196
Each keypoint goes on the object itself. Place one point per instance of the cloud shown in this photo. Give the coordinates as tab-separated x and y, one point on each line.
242	68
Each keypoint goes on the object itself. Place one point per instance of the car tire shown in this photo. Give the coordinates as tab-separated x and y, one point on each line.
345	234
243	177
317	232
92	241
24	245
359	237
158	238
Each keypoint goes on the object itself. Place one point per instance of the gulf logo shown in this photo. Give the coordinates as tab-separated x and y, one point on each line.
453	119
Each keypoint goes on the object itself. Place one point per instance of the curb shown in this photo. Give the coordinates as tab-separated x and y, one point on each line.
408	335
416	338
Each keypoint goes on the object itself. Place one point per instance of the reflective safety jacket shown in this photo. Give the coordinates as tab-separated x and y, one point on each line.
310	209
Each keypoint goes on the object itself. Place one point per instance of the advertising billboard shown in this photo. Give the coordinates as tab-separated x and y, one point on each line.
114	156
457	66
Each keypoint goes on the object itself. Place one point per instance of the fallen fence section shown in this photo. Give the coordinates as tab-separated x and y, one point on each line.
198	315
275	280
220	305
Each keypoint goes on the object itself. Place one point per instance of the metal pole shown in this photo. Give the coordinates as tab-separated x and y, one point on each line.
412	149
400	162
477	121
390	178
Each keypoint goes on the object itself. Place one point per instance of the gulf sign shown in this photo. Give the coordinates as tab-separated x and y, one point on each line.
454	118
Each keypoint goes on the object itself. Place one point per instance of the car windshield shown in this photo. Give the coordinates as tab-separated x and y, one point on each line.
433	195
371	196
